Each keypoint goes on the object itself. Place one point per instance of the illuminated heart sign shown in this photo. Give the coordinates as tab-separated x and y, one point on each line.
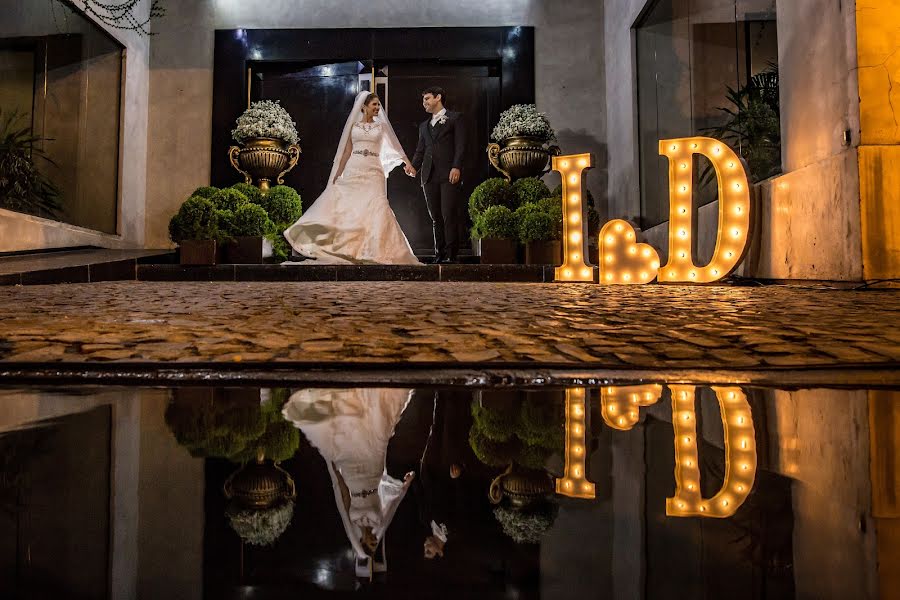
622	259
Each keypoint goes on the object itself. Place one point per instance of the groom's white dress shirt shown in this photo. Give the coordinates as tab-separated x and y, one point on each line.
435	117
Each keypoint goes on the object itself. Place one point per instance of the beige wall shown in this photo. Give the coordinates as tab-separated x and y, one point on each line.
809	219
23	232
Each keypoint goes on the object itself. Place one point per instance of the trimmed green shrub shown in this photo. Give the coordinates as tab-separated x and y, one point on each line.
282	204
251	219
493	192
535	224
207	191
227	224
525	433
530	189
232	429
197	219
496	222
250	191
229	199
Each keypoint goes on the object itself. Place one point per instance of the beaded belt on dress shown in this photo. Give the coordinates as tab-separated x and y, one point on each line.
364	493
365	152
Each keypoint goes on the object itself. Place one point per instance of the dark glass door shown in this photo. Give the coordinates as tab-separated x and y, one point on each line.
318	97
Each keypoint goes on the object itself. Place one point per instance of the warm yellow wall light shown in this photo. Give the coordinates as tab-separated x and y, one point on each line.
740	454
622	259
575	266
620	405
734	210
575	484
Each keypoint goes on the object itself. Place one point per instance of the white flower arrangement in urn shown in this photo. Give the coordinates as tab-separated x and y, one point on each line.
523	120
521	139
268	138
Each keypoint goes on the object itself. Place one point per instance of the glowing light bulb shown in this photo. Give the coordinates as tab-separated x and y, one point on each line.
684	189
610	239
575	237
737	186
574	218
717	149
632	250
739	209
568	273
684	165
626	276
683	210
715	272
693	274
643	275
736	232
683	233
619	227
565	164
574	198
582	162
610	258
645	252
609	276
654	264
585	272
682	254
729	254
573	179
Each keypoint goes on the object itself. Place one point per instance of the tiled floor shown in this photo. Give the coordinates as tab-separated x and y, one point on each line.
454	325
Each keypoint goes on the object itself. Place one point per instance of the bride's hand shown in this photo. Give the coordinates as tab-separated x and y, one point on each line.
409	170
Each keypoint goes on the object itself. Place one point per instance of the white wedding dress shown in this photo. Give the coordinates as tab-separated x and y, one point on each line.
351	428
352	221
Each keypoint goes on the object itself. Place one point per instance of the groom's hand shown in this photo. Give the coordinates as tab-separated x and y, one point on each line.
454	176
409	170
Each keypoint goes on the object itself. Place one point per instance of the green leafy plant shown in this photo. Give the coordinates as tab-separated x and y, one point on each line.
250	191
206	191
197	219
530	189
535	223
23	187
525	433
752	126
251	220
492	192
229	199
282	204
234	429
497	222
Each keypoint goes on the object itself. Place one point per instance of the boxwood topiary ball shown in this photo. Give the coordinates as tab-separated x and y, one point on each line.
493	192
282	204
229	199
207	191
252	220
250	191
530	189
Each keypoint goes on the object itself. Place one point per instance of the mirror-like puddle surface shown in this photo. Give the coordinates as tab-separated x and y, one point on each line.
637	491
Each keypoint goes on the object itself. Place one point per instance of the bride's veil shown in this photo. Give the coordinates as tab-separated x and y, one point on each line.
391	153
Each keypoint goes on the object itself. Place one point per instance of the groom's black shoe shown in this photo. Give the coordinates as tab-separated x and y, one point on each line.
437	260
449	261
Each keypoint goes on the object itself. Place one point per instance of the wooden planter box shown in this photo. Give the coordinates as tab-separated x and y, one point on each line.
498	252
543	253
197	252
247	250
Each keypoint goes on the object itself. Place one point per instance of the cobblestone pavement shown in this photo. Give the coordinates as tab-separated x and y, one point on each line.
447	324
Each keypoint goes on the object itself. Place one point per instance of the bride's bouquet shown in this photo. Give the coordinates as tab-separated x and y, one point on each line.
523	120
265	119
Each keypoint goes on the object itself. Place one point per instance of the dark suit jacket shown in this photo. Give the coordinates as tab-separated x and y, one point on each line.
440	148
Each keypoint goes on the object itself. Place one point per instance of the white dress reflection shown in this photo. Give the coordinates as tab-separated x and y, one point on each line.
351	428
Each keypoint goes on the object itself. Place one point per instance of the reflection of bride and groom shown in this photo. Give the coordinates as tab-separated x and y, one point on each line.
352	430
351	222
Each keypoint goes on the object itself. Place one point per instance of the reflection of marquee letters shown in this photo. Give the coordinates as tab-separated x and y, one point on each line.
575	484
734	210
575	266
620	405
740	454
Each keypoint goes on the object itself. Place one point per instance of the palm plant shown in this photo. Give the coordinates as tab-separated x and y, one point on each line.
752	125
23	187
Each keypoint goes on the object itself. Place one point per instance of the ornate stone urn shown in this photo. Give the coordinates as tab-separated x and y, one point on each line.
264	160
260	485
521	156
523	487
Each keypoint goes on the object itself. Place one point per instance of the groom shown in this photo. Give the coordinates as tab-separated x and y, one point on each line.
439	158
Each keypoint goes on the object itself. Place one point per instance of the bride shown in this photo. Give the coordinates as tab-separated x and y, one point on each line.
351	428
352	222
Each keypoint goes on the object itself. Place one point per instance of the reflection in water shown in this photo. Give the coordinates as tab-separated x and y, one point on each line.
351	429
740	454
282	493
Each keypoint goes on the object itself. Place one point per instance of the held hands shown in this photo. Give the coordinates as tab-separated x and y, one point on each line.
409	170
454	176
433	547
